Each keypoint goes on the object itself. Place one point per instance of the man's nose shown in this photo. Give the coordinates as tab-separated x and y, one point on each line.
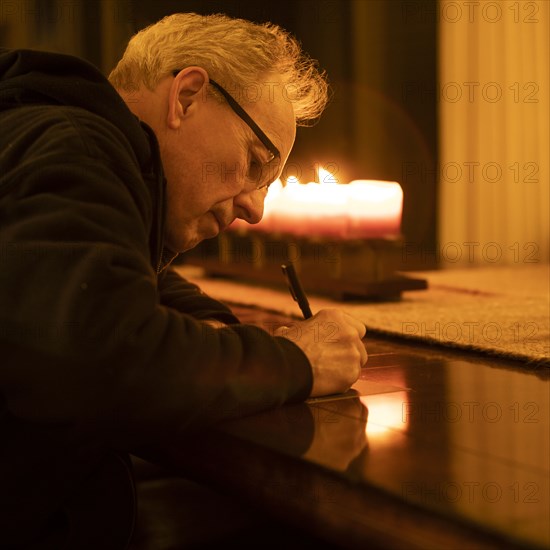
249	205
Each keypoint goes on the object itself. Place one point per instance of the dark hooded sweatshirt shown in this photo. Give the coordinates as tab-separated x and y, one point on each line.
101	342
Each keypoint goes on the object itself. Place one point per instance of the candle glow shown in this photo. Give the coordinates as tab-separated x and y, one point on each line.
361	209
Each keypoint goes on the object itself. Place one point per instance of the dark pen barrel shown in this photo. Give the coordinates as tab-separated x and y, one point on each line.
296	289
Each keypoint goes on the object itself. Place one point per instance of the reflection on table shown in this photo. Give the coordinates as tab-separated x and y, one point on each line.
429	449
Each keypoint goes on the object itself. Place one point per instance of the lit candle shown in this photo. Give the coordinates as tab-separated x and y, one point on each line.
374	209
329	204
362	209
288	210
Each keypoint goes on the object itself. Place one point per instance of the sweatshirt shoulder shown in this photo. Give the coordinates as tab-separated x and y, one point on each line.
47	129
39	139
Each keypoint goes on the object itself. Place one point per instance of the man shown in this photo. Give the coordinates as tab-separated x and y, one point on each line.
104	347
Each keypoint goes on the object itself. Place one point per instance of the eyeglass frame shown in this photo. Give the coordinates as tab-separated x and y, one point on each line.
241	113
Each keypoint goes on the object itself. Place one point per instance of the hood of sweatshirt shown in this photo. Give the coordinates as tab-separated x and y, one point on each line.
29	77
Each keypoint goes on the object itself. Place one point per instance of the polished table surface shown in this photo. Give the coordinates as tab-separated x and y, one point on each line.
430	449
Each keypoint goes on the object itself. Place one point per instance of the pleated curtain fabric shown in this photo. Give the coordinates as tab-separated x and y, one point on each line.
493	97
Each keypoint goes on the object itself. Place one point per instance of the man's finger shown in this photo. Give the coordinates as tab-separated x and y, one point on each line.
357	324
364	355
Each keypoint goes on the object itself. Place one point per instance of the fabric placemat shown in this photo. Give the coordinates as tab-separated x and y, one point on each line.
502	311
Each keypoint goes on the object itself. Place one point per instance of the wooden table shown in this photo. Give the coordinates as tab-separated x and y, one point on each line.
431	449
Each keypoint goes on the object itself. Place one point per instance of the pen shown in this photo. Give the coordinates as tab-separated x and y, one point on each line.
296	289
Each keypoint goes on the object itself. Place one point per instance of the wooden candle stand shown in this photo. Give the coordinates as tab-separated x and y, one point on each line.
341	269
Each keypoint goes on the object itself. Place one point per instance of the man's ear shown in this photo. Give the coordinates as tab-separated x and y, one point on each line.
186	91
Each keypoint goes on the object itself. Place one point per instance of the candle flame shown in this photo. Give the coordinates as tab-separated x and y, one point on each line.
326	177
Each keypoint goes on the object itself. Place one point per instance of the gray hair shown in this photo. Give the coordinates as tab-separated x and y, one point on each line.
237	53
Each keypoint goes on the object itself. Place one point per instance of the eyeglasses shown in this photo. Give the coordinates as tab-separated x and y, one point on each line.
239	111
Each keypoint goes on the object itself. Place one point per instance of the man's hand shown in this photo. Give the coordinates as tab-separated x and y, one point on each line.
331	339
